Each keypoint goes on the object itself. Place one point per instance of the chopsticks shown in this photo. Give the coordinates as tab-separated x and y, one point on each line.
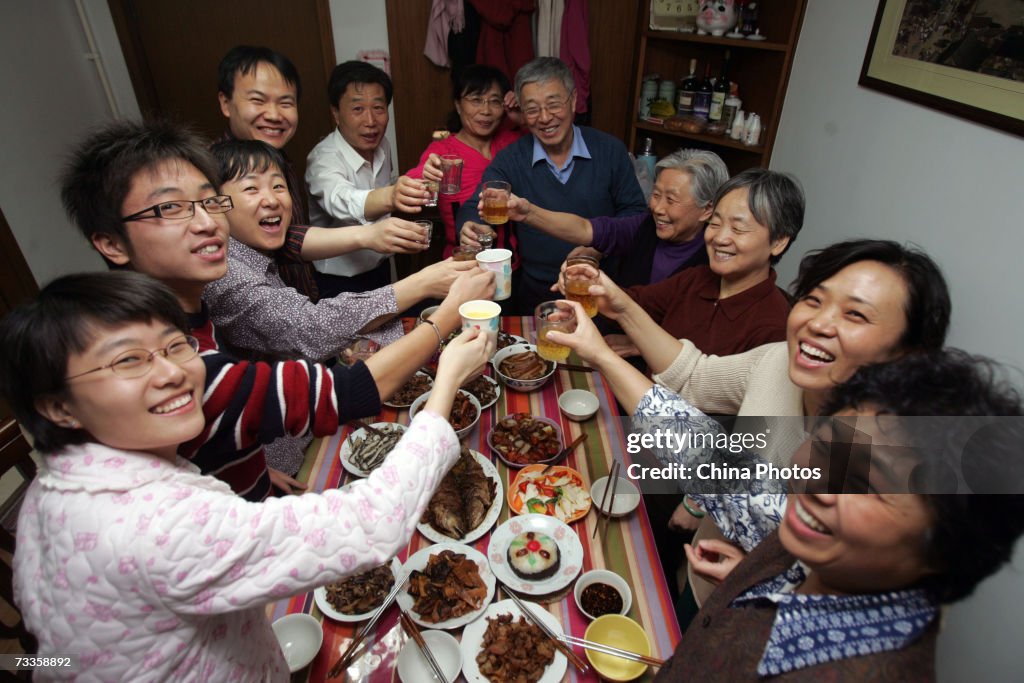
564	453
613	478
571	367
613	651
532	618
348	655
414	632
359	424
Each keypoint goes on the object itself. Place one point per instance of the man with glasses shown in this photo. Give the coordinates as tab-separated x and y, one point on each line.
565	167
350	176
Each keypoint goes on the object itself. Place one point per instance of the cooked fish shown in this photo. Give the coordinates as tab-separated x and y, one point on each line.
462	499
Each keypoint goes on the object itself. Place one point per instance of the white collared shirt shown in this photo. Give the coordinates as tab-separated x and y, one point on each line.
339	179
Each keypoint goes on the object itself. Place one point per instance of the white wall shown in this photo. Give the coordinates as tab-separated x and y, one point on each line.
877	166
52	95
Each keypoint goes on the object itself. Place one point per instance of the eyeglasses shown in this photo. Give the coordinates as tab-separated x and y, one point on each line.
479	102
553	107
182	209
137	362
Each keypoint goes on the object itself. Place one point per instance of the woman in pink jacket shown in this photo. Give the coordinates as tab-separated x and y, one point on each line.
126	555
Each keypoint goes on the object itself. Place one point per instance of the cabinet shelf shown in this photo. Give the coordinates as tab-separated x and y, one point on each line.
716	40
719	140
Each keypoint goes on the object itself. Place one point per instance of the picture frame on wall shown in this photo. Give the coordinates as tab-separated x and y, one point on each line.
966	59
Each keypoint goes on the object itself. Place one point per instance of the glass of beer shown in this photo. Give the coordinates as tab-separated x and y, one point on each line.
494	202
465	253
580	273
553	316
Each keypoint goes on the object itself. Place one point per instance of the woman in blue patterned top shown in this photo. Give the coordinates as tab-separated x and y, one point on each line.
848	586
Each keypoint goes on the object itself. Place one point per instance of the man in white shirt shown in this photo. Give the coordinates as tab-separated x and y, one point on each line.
351	178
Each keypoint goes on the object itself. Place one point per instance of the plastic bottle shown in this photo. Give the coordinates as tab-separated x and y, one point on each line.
730	108
752	136
648	157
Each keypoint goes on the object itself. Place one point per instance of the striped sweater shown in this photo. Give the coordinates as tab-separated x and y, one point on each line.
249	404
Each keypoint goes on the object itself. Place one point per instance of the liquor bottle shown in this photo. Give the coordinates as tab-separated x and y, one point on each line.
720	92
687	91
702	100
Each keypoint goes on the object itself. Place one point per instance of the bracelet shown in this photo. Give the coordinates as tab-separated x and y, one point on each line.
437	331
696	513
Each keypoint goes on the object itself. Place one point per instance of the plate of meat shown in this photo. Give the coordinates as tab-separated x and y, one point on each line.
418	384
467	501
519	367
486	389
450	585
521	439
357	597
465	411
506	646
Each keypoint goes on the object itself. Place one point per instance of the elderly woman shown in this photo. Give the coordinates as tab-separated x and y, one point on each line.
659	243
479	130
862	574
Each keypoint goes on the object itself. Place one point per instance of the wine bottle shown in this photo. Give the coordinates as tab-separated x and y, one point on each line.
687	91
720	92
702	99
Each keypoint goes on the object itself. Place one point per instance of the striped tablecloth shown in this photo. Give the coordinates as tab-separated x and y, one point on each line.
627	547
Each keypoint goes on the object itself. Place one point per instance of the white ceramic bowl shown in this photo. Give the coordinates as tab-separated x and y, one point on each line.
413	666
524	385
461	433
578	404
603	576
428	311
627	496
300	637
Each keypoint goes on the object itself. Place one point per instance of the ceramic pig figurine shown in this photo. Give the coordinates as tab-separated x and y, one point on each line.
716	17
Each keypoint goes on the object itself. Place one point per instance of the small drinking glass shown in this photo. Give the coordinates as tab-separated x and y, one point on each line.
429	227
465	253
494	202
486	240
451	169
553	316
580	273
431	186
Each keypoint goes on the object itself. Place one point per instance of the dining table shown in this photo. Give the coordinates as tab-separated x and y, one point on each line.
625	545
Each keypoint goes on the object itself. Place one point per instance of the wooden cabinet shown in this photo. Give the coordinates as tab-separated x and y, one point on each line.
760	68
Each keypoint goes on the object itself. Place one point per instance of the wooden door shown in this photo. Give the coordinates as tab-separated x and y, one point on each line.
173	47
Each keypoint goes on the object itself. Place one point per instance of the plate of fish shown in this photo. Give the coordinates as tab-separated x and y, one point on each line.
418	384
357	597
467	502
449	586
535	554
558	492
486	389
506	646
364	451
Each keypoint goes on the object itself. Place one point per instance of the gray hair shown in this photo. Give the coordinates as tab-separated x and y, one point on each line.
706	169
776	200
544	69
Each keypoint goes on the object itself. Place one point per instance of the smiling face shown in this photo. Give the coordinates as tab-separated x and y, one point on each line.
263	208
853	318
677	217
154	413
739	247
553	131
362	116
183	254
481	112
860	542
263	106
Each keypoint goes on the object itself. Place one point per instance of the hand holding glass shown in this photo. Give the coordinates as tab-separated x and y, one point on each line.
451	170
494	202
580	274
551	316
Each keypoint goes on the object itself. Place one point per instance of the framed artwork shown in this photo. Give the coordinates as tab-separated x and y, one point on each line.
963	57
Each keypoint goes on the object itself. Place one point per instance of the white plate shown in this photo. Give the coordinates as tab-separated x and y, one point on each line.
569	548
497	391
419	560
391	404
489	519
473	640
518	339
346	447
320	598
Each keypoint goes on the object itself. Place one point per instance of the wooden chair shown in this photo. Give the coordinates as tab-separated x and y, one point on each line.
14	457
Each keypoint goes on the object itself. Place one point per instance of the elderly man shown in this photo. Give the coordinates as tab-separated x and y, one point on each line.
563	166
350	176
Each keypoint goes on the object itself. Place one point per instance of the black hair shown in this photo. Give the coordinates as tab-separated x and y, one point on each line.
37	338
955	398
474	79
239	158
100	171
244	59
775	199
927	307
354	71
